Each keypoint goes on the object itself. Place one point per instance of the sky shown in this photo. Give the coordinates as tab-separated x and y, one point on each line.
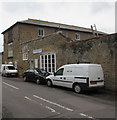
83	13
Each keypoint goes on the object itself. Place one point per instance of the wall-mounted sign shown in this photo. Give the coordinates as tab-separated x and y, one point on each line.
37	51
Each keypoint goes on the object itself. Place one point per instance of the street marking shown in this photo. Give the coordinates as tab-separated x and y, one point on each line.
82	114
53	103
29	99
11	85
52	110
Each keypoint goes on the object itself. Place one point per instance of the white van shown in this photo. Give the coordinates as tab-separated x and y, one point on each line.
8	70
80	77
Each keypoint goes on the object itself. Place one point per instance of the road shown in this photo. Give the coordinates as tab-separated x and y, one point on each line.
29	100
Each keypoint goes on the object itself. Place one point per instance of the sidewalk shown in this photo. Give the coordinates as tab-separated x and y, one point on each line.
103	95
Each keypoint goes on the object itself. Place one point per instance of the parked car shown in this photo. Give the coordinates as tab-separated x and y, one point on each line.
8	70
79	77
36	75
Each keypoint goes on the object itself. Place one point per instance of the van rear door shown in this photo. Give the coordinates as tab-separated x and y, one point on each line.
96	77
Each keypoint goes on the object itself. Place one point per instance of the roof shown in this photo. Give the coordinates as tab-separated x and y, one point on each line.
54	25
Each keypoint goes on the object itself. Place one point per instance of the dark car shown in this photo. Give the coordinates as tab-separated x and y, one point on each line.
36	75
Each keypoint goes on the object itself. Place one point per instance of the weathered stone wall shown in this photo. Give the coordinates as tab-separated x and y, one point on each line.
15	38
100	50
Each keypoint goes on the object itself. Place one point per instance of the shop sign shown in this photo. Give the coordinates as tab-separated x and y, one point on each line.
37	51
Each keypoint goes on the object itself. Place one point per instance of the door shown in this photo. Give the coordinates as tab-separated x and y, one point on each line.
96	76
48	62
58	77
29	75
32	75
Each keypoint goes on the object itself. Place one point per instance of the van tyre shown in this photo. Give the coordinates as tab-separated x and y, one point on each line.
49	83
77	88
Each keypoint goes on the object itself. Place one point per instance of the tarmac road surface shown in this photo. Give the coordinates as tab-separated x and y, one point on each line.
29	100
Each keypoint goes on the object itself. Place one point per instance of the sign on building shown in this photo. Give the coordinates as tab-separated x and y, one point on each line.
37	51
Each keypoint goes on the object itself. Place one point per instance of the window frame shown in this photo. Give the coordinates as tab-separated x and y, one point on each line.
25	56
10	36
41	32
48	62
10	50
77	36
62	69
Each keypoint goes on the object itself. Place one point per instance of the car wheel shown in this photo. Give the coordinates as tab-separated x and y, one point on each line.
38	81
77	88
49	83
25	79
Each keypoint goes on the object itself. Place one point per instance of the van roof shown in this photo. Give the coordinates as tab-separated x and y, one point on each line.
83	64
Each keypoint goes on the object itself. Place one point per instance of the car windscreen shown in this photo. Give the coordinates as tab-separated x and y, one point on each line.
10	67
42	72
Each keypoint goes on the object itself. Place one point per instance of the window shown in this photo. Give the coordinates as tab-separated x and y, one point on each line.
10	39
41	32
60	72
10	67
77	36
48	62
10	50
25	56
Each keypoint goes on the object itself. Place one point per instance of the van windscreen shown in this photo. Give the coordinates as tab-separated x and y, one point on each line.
10	68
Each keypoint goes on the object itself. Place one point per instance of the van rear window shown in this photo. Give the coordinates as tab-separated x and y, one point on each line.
10	68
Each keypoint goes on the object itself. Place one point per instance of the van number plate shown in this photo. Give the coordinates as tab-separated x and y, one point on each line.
93	82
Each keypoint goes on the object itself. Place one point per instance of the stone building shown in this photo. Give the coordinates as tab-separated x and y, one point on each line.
41	44
29	30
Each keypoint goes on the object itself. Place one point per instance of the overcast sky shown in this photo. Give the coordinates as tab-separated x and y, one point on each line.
84	14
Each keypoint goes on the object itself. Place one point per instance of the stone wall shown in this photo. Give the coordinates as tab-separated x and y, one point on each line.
100	50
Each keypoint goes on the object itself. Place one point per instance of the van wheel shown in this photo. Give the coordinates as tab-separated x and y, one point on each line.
77	88
38	81
49	83
25	79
